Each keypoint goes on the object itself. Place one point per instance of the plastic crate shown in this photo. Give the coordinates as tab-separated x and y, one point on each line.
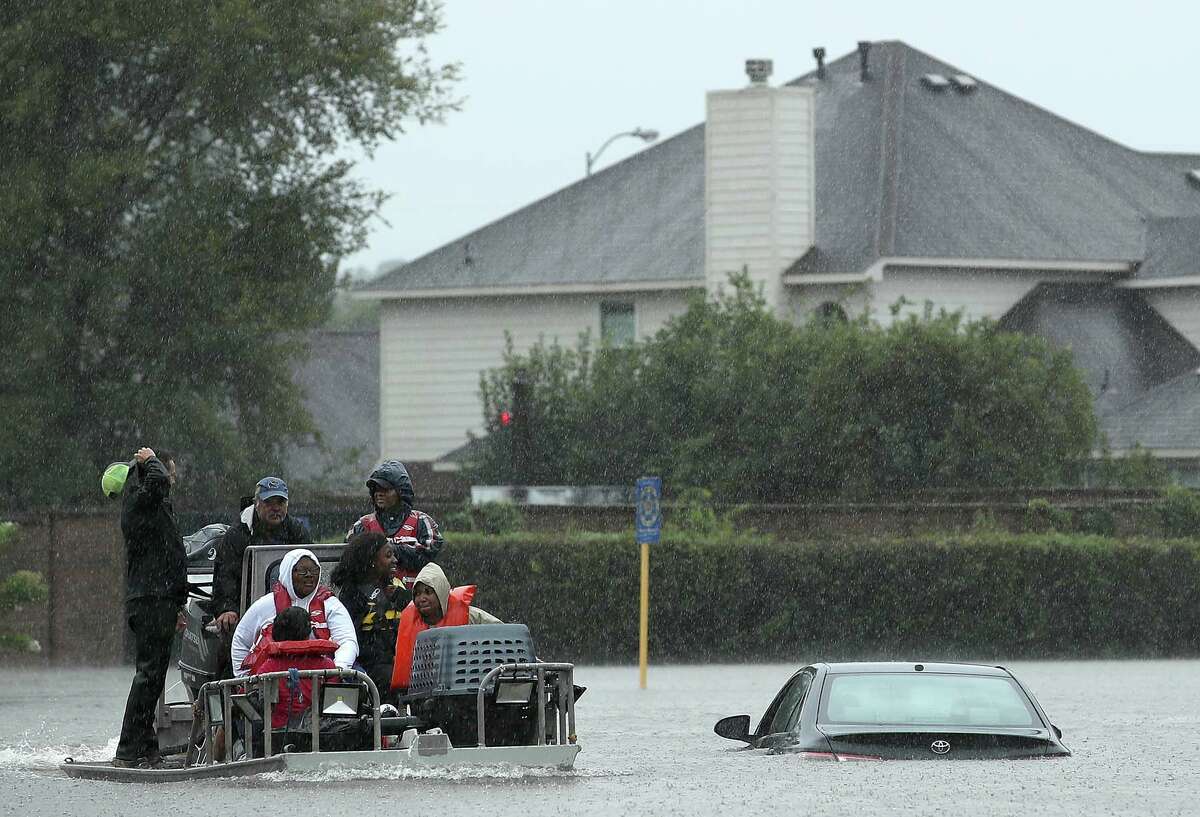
452	660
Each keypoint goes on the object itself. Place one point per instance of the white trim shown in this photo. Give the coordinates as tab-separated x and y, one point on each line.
875	271
1159	453
1161	283
528	289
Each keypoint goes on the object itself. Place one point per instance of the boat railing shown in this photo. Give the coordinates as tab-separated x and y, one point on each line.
564	676
231	688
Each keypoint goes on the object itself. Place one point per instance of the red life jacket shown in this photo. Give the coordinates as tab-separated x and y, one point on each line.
411	623
316	612
406	534
280	656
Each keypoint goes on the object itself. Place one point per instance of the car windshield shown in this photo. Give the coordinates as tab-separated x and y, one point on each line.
911	699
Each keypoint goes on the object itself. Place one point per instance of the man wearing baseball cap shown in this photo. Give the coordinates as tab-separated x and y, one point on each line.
264	522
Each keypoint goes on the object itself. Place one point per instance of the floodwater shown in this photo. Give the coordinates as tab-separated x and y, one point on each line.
1134	727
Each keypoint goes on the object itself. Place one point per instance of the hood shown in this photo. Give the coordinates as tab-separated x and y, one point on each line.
285	575
395	474
433	576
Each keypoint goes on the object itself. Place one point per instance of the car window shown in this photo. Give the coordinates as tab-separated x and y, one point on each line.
785	710
912	699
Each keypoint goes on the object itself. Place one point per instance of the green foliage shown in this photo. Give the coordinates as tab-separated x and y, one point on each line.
1138	469
173	215
496	518
1179	512
22	587
982	597
1096	522
1041	516
732	399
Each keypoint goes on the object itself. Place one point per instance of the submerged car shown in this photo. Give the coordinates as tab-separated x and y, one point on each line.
886	710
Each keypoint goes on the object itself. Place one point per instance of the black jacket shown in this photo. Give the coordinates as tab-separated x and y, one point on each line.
376	615
227	569
155	559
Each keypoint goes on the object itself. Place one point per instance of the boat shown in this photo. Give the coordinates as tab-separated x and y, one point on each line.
478	698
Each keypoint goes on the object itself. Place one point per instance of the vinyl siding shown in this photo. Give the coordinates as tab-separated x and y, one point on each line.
432	353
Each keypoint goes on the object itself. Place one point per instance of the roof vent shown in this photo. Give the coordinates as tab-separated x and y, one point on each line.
819	53
864	60
964	83
1193	176
759	70
935	82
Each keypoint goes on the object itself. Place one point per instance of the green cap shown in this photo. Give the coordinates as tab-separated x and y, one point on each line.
113	481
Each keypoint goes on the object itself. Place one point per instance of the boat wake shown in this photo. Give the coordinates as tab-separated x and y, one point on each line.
25	757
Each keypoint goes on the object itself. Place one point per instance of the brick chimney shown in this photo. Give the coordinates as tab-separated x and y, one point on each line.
758	182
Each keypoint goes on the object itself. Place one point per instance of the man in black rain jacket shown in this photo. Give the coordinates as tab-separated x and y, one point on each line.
265	522
155	592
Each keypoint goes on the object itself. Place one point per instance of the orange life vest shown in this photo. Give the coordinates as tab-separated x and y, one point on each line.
411	623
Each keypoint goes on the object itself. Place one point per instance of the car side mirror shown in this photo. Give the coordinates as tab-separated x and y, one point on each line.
1057	731
735	727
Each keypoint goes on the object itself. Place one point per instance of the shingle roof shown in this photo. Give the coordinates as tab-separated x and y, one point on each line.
1164	417
901	170
340	381
1172	248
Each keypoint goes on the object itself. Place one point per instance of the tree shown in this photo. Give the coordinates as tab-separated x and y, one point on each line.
172	219
729	398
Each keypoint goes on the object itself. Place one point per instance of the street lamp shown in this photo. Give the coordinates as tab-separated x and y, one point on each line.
645	134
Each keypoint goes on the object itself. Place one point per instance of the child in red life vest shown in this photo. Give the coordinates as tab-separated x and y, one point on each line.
292	648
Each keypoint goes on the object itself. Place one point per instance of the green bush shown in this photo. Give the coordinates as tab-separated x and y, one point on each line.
1096	521
497	518
731	398
1179	512
22	587
982	597
1041	517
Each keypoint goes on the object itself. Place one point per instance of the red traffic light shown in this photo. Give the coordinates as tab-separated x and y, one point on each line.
506	418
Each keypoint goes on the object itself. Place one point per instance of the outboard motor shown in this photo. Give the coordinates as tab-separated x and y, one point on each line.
199	657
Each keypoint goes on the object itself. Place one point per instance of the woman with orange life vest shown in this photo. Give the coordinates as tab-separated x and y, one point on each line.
298	586
374	597
414	535
434	604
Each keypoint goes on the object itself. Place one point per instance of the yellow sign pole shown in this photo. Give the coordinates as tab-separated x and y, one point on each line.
644	621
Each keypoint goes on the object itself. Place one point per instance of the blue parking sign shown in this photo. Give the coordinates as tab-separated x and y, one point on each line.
649	511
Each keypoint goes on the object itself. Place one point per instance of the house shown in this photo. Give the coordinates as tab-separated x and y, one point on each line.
884	175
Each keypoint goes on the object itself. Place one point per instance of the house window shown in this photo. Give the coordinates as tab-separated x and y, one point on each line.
617	324
830	313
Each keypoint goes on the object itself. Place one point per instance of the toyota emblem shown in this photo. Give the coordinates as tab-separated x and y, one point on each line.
940	747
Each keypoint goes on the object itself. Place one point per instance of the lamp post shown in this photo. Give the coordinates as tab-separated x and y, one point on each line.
645	134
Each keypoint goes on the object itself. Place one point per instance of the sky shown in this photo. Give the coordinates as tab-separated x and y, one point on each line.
546	82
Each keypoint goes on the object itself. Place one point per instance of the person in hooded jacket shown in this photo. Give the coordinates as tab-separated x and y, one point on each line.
298	586
293	647
434	604
414	534
367	585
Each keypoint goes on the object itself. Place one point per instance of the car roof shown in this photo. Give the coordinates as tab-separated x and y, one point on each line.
911	666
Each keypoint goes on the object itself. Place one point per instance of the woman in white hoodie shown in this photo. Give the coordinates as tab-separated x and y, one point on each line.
299	585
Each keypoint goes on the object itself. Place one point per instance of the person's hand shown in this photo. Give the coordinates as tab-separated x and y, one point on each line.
227	621
143	454
181	621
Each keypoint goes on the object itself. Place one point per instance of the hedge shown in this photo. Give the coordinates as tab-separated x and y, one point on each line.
972	597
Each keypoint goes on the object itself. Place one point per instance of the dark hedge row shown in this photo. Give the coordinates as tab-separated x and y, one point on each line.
968	598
